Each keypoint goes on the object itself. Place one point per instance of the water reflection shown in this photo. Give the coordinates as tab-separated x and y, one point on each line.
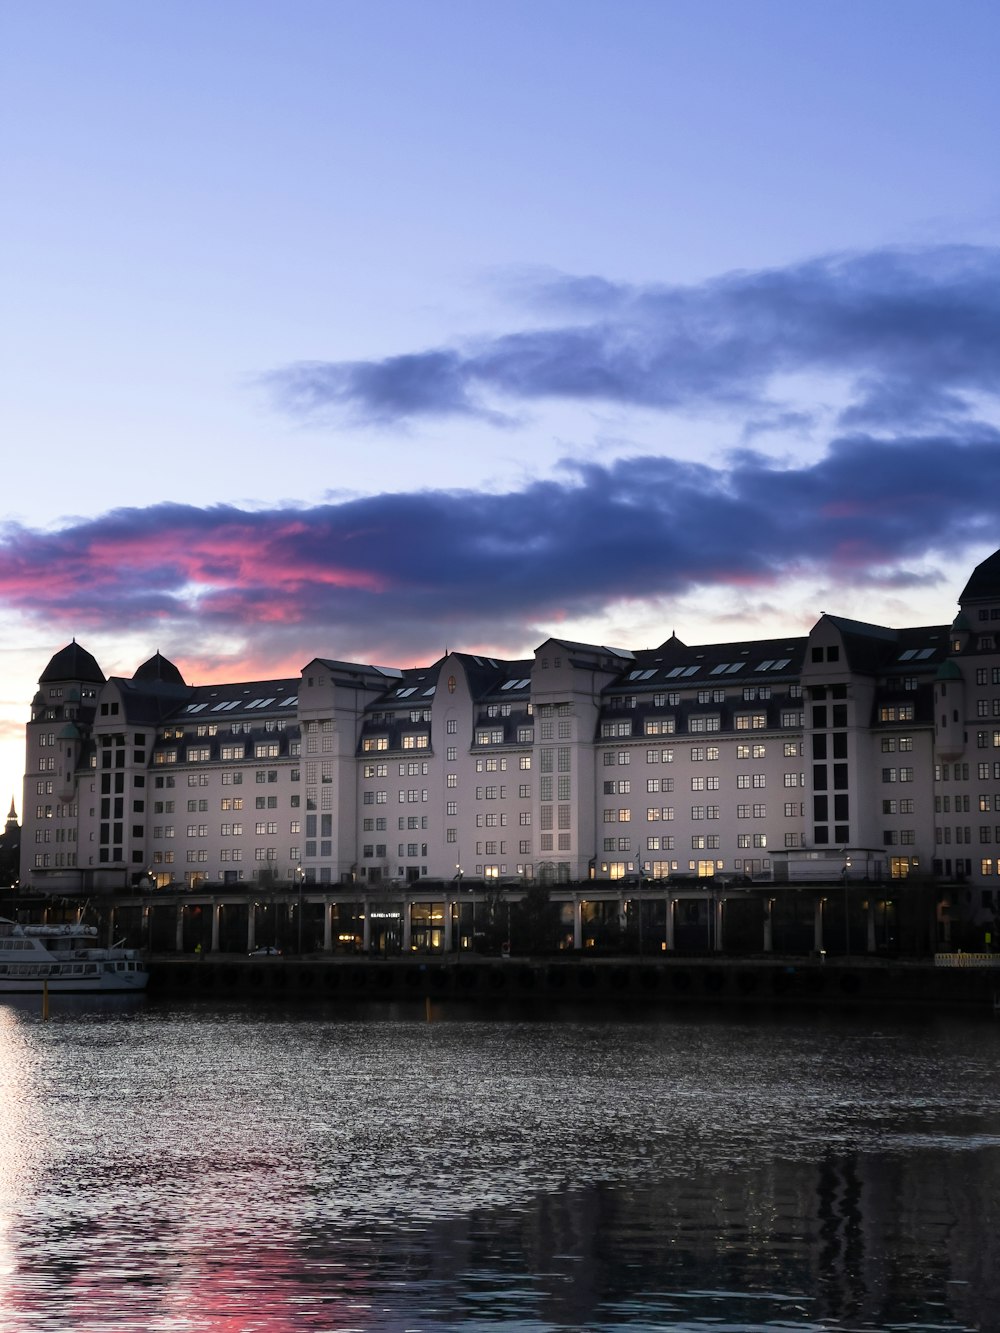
219	1168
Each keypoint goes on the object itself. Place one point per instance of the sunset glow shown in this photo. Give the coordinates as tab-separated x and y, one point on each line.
615	364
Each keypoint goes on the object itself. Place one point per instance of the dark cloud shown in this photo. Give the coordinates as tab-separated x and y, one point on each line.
398	387
792	424
900	404
420	568
918	329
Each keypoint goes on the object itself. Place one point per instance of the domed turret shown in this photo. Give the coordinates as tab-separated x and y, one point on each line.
984	584
159	668
72	663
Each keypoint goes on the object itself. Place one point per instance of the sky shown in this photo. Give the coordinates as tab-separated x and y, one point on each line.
368	330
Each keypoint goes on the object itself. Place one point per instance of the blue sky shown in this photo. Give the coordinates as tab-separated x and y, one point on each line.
367	329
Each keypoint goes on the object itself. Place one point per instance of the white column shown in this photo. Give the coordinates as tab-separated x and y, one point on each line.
407	942
251	926
327	926
577	924
366	937
447	925
671	920
180	927
718	924
768	925
216	916
818	925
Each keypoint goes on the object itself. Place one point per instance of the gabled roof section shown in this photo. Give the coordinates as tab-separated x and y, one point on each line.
574	647
676	663
484	674
514	683
413	687
354	669
861	627
256	698
867	648
879	650
149	702
921	647
72	663
583	656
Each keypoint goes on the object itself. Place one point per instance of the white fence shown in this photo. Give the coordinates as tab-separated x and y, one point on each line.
967	960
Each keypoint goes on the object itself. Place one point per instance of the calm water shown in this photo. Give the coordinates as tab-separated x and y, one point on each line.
193	1168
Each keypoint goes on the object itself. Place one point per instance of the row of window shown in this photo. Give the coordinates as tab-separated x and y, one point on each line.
672	698
524	735
229	778
198	754
407	795
655	813
228	855
412	770
699	842
702	722
701	753
226	803
410	741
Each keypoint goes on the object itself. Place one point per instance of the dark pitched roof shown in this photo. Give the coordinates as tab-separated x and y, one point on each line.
159	668
72	663
862	628
149	702
678	663
258	698
984	582
875	649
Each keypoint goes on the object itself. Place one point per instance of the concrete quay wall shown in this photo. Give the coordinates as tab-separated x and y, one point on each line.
544	982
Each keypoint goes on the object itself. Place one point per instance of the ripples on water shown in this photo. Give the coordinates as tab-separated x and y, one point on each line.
220	1168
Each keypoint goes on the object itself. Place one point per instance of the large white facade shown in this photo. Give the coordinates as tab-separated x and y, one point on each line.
875	748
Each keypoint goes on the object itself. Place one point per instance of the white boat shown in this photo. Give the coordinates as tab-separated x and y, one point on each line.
65	958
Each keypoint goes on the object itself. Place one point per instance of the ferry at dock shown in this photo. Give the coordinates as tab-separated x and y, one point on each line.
65	958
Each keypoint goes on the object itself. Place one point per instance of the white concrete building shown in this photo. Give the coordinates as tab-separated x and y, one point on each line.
865	749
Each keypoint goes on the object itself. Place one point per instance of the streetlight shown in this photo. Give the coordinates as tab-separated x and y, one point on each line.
847	909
